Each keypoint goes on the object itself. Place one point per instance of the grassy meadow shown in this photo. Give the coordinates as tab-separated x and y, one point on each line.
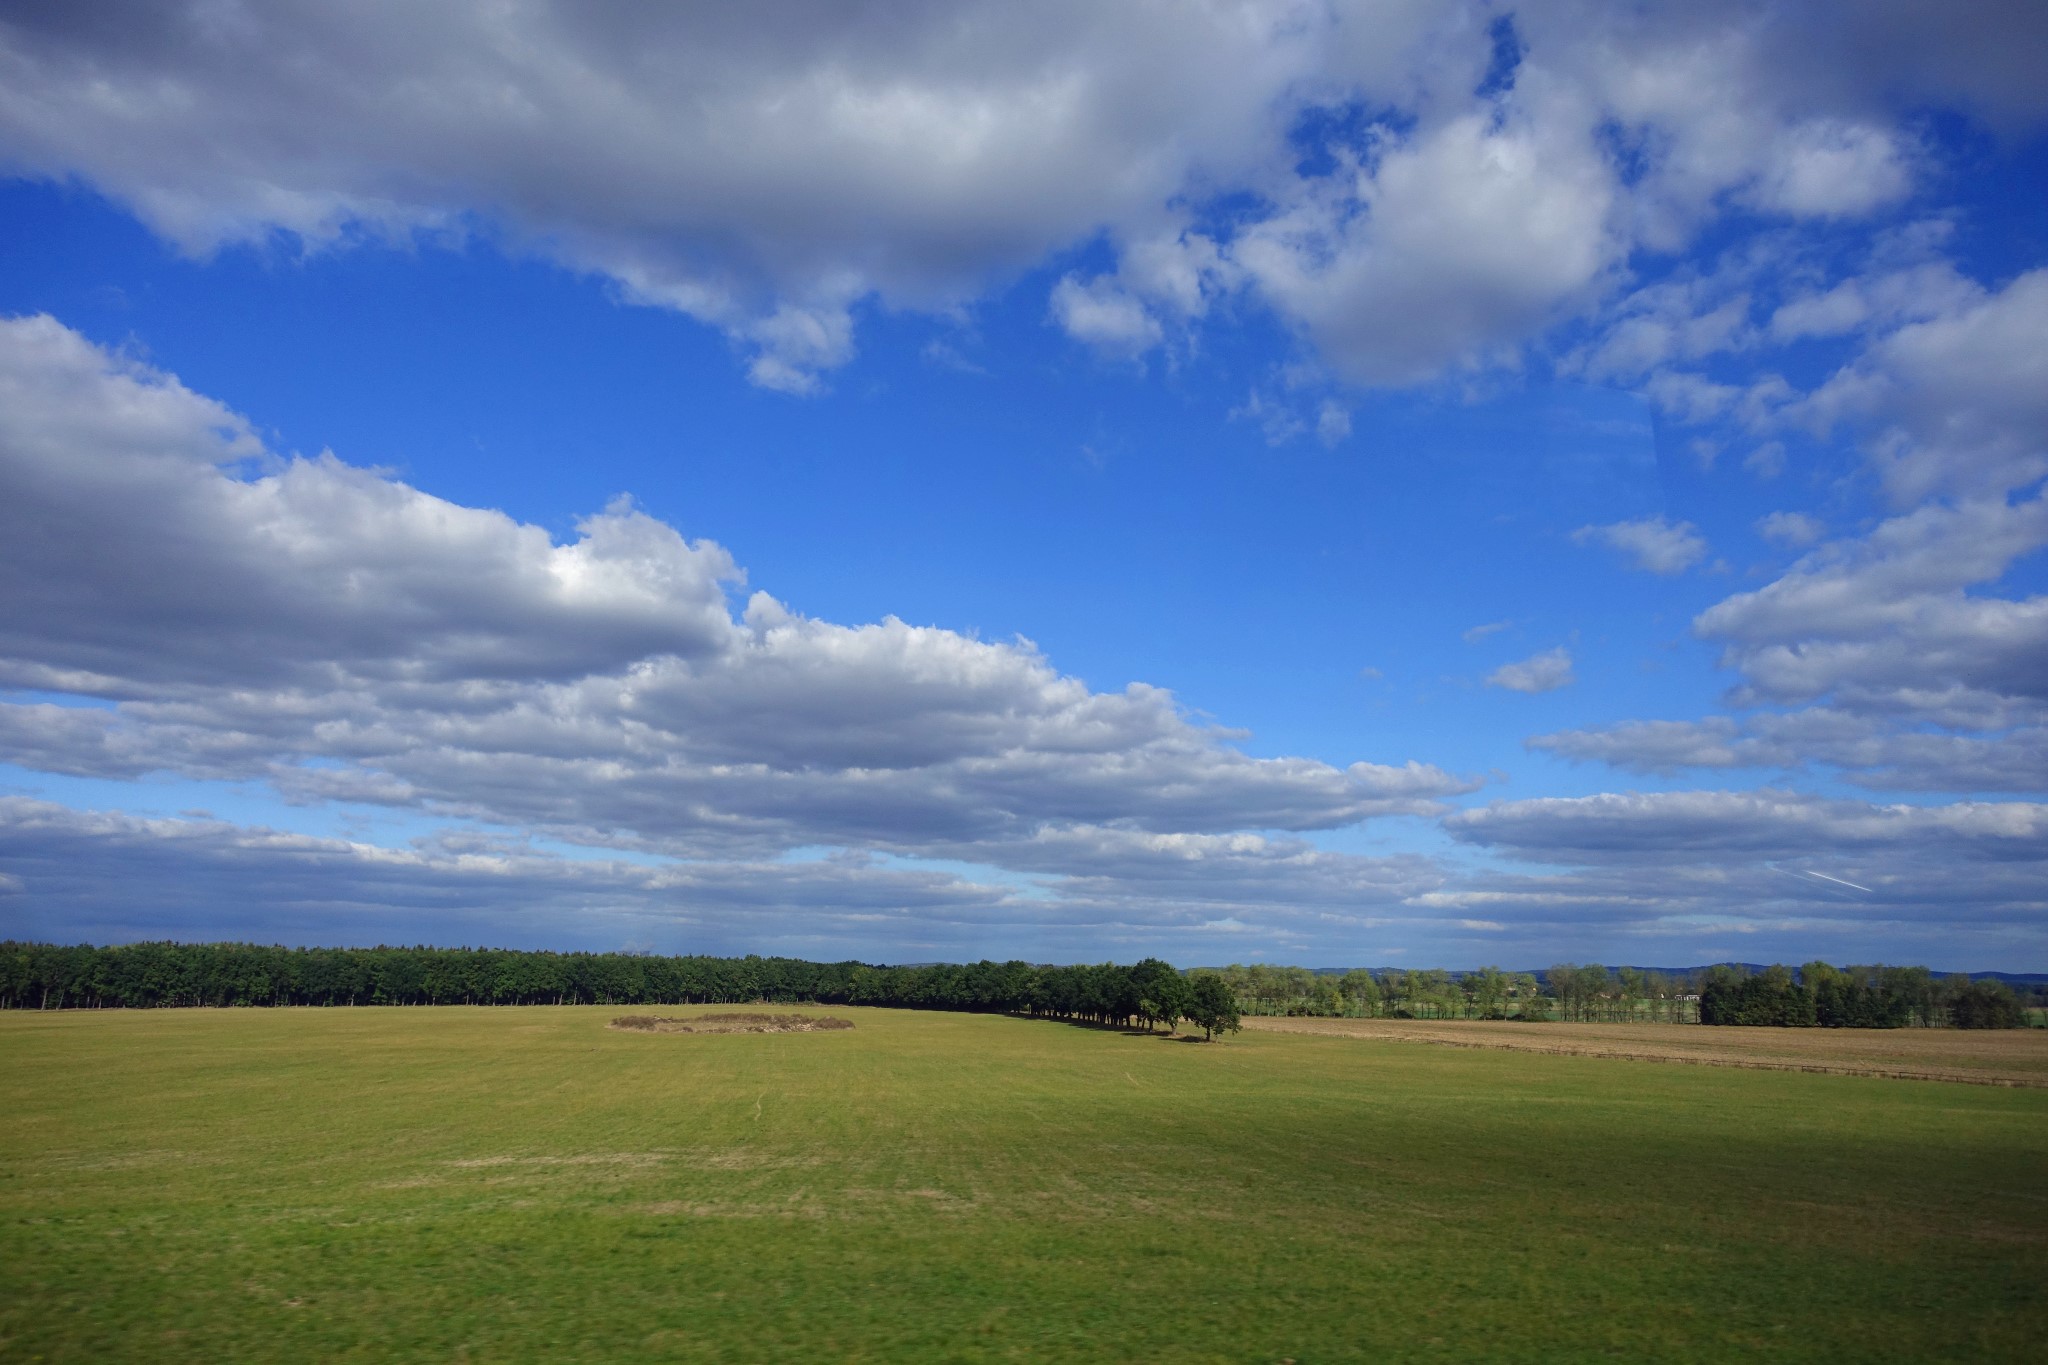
506	1184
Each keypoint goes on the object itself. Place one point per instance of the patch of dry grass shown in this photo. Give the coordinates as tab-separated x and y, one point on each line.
2017	1057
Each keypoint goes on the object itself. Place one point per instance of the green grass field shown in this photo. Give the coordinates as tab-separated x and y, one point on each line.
524	1184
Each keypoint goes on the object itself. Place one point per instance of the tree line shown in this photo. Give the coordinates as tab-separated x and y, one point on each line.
1150	992
164	975
1815	995
1822	996
1566	991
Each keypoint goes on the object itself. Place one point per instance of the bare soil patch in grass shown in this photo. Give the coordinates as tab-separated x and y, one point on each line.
583	1159
2017	1057
729	1023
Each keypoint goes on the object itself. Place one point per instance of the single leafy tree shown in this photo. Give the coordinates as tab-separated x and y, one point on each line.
1212	1005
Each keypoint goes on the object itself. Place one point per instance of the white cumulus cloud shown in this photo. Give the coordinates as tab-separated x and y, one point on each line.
1793	529
211	609
1655	544
1545	672
774	174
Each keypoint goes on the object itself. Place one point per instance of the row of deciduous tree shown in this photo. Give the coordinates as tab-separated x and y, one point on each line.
155	975
1822	996
1815	995
146	975
1567	991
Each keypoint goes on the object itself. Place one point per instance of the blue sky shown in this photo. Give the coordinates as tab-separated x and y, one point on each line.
1429	483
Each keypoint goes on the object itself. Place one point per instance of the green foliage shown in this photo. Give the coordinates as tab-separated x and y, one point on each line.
1360	990
1212	1005
1770	998
1854	997
1161	992
1585	992
156	975
1486	992
1984	1004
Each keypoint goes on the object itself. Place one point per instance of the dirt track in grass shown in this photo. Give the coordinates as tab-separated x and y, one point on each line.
2016	1057
728	1023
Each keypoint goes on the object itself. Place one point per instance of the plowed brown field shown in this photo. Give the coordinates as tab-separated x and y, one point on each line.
1988	1057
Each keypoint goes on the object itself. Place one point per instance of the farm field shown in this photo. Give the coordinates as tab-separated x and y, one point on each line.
1984	1056
498	1184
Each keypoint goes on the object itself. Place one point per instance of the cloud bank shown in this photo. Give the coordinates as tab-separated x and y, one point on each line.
234	614
1416	186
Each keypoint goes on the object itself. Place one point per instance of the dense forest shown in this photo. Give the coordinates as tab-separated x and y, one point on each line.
156	975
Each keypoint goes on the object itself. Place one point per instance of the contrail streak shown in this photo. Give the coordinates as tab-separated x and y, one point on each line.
1825	877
